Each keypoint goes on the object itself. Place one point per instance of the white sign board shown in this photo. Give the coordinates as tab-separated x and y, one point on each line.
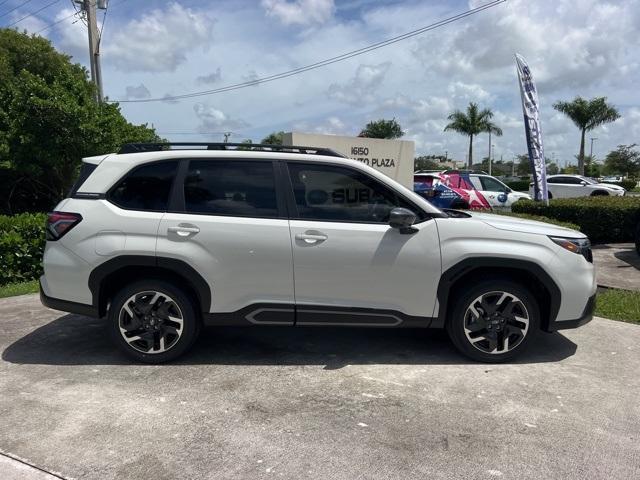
391	157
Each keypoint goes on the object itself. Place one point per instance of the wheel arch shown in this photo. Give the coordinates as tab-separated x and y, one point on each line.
108	277
528	273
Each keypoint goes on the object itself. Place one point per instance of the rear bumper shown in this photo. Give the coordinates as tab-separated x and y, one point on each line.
67	306
586	317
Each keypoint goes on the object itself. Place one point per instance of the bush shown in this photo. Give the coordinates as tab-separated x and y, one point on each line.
626	184
602	219
519	186
22	242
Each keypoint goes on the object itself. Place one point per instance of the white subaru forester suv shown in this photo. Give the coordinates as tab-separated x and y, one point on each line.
161	239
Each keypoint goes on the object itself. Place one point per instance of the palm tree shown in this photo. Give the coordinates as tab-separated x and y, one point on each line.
472	123
587	115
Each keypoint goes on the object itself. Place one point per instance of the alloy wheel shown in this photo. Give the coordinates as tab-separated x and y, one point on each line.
496	322
151	322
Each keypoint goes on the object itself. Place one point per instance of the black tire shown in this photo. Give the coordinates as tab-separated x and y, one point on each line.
483	328
176	339
549	195
600	193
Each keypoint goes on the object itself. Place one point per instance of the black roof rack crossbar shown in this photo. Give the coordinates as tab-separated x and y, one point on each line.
156	147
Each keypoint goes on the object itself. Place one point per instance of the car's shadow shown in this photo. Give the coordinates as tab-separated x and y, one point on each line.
77	340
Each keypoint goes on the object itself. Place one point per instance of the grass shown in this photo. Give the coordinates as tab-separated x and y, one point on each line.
621	305
13	289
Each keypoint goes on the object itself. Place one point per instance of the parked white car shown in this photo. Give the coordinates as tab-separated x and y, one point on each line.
613	179
570	186
161	241
497	193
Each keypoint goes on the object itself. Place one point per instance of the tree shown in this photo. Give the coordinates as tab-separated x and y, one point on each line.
388	129
587	115
471	124
624	160
552	169
427	162
49	120
591	167
274	138
524	166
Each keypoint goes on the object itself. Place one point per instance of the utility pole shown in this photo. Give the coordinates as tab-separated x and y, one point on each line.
489	157
89	7
591	152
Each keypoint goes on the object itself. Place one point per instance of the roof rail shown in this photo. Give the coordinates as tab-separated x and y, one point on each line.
157	147
457	170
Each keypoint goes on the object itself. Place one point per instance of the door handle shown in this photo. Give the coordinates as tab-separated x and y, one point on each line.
184	230
311	237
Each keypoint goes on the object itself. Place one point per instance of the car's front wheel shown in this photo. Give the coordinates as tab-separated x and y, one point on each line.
493	321
153	321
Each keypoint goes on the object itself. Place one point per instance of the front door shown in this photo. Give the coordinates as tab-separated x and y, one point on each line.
350	267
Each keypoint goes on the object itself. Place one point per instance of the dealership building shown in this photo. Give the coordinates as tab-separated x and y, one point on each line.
391	157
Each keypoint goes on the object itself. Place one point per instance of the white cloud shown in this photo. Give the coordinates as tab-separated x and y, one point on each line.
138	92
299	12
30	24
362	86
214	120
160	40
330	126
213	77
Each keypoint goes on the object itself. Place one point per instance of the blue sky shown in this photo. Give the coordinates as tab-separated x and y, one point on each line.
157	48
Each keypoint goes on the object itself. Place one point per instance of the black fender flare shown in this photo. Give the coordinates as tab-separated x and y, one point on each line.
179	267
468	265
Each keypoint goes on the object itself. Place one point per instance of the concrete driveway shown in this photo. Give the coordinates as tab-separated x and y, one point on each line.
316	403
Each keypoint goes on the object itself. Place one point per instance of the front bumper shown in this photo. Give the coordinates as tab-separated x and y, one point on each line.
67	306
586	317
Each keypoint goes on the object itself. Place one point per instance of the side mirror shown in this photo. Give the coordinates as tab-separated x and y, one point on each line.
402	219
583	183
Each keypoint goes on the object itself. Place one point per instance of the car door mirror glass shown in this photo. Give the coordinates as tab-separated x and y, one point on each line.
402	219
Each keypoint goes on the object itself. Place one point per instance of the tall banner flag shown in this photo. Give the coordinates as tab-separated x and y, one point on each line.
531	111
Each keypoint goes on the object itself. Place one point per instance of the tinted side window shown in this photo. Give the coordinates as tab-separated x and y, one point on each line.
146	187
553	180
332	193
492	185
235	188
85	170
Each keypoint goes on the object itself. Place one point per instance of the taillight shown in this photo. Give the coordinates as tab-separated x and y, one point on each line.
59	223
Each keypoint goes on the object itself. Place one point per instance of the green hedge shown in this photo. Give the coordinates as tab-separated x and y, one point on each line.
519	186
602	219
626	184
22	242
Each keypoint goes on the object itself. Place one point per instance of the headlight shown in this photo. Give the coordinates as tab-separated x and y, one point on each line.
581	246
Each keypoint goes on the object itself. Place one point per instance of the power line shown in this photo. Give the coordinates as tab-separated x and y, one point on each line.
15	8
3	2
51	25
325	62
32	14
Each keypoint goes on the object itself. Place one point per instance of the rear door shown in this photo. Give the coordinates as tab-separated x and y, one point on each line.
567	187
229	223
350	267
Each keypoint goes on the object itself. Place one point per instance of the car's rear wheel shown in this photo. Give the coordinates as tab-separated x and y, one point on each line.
153	321
494	321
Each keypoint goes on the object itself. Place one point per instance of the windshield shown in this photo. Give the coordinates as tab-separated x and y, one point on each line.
590	181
